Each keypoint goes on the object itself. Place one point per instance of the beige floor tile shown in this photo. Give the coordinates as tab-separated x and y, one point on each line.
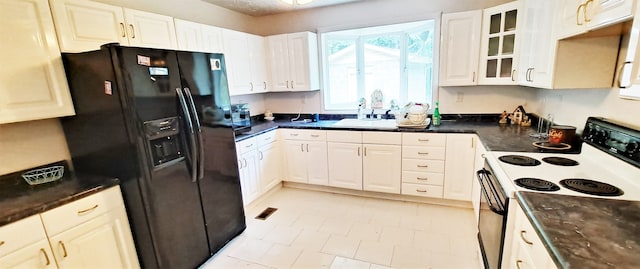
281	256
309	222
397	236
377	266
386	218
251	250
443	261
341	246
374	252
258	229
365	231
283	235
313	260
337	226
311	240
409	258
346	263
436	242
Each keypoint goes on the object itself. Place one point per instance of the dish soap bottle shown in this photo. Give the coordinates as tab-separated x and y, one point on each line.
436	116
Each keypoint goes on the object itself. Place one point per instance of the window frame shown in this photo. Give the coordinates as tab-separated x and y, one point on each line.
323	59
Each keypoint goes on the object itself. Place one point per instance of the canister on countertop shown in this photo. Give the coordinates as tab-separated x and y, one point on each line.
562	134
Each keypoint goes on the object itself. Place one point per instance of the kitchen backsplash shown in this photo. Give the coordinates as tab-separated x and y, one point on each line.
29	144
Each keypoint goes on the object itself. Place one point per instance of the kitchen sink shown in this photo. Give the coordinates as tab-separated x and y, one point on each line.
366	124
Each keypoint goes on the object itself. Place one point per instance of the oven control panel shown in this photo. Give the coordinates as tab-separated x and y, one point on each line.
616	139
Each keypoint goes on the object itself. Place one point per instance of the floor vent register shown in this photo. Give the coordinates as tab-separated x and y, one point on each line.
266	213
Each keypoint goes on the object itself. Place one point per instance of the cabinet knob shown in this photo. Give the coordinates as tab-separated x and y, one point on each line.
85	211
422	166
122	30
46	257
420	190
522	233
64	249
133	31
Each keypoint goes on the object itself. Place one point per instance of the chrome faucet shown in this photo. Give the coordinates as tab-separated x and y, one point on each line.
372	116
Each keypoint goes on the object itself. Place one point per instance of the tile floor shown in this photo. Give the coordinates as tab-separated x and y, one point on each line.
314	229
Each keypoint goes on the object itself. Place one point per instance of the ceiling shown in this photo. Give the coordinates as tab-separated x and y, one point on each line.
268	7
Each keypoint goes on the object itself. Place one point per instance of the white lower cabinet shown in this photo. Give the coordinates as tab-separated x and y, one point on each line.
369	161
527	250
259	163
459	166
306	156
92	232
423	164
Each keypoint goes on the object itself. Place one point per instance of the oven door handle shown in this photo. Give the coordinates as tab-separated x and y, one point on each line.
483	188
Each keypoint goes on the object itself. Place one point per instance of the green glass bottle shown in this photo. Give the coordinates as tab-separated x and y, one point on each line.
436	115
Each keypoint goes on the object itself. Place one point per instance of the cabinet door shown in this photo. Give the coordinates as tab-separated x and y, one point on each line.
296	161
317	168
32	82
570	18
382	168
258	64
475	186
459	166
212	39
538	46
269	157
150	30
607	12
249	176
345	165
238	62
460	48
301	61
278	54
86	25
189	35
499	47
37	256
102	242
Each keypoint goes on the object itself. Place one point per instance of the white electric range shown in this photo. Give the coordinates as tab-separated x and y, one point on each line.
591	164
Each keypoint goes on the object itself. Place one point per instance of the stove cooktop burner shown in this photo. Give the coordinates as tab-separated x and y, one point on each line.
591	187
519	160
560	161
536	184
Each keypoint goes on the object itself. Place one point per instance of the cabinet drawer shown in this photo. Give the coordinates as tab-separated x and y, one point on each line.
431	153
422	190
529	241
299	134
266	138
21	233
385	138
62	218
423	139
246	145
426	178
344	136
435	166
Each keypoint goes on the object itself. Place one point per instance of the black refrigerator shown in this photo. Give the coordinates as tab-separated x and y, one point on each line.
159	121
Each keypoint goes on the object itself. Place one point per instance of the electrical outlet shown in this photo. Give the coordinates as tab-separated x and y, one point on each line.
459	97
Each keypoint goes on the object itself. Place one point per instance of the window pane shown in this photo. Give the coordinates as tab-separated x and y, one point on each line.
382	66
420	66
343	80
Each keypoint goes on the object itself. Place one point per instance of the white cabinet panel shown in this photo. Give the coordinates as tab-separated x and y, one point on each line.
150	30
382	168
33	86
293	62
296	161
36	256
459	166
499	49
460	49
317	162
189	35
575	17
270	159
248	170
345	165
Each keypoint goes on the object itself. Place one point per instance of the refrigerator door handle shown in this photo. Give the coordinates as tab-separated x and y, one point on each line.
198	132
192	136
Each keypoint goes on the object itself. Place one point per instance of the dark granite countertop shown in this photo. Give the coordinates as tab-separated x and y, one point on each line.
19	200
585	232
494	136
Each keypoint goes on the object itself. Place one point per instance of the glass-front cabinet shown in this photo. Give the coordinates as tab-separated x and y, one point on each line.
498	50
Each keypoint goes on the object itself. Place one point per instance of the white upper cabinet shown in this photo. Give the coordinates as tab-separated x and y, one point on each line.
538	46
499	46
246	64
293	62
460	48
629	77
194	36
86	25
33	84
579	16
